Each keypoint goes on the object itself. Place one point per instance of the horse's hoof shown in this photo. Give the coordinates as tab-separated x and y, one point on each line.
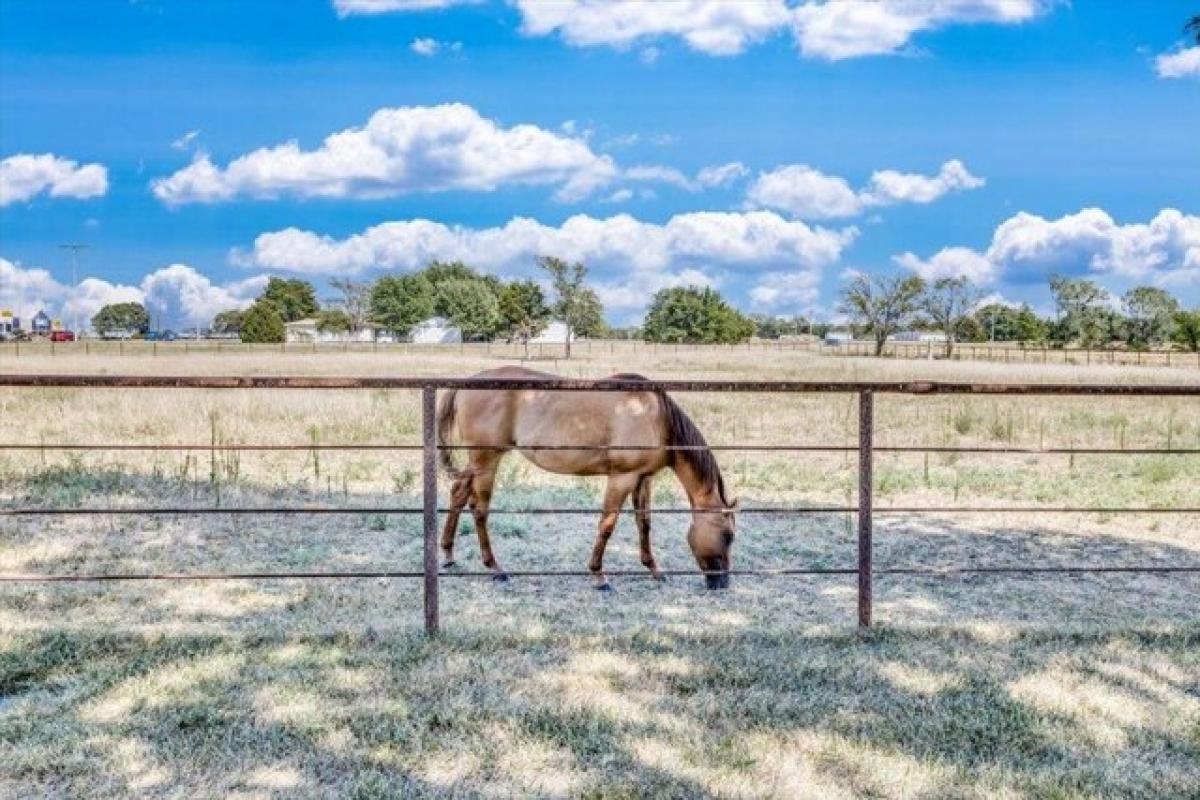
604	587
500	577
659	578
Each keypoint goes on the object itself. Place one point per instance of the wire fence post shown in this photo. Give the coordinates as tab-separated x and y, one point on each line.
866	426
429	496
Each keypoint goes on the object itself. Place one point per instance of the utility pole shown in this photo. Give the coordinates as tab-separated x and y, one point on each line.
74	247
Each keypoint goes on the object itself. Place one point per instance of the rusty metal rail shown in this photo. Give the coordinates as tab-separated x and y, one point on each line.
865	509
593	385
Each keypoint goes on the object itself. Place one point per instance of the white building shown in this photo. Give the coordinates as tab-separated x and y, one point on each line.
306	330
555	333
838	337
917	336
435	330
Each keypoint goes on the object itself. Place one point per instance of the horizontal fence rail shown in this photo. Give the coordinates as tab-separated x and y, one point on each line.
865	509
1001	352
596	385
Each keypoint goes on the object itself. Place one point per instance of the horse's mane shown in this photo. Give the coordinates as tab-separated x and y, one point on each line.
682	432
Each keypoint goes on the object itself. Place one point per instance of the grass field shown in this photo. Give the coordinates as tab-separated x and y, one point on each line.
976	686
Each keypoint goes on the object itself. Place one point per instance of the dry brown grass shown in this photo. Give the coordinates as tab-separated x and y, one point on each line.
972	686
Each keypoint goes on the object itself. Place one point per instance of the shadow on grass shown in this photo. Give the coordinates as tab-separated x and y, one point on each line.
749	714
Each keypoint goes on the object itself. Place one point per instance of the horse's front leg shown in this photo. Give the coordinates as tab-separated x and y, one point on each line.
618	489
641	506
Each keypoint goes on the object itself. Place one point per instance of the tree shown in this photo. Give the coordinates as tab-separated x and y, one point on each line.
768	327
1084	315
121	317
882	305
262	324
470	305
438	272
294	298
334	320
694	315
589	316
229	321
948	302
998	322
1150	316
572	303
523	311
1187	330
1192	28
398	302
355	300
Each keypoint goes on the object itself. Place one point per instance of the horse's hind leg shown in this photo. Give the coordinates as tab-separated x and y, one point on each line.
618	489
460	495
483	467
641	506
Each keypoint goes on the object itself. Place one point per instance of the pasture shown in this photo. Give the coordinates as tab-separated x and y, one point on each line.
969	686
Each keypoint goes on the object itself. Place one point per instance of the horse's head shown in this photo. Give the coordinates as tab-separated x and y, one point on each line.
711	539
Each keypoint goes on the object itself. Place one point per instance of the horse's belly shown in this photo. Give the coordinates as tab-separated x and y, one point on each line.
570	462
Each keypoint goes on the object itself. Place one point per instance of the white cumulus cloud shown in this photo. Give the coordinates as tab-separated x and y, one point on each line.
808	193
181	296
1179	64
399	151
715	27
176	295
24	176
795	289
825	29
635	293
750	240
1165	250
840	29
952	262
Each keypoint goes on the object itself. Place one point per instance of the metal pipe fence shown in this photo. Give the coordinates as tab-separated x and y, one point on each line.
999	352
865	508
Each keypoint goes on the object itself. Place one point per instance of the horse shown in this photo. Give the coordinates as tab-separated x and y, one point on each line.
491	422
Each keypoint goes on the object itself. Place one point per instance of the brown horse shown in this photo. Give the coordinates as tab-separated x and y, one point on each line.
492	422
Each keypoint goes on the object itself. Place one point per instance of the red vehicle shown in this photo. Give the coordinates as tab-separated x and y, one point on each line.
62	336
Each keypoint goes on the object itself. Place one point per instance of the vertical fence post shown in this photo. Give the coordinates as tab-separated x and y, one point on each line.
866	426
429	495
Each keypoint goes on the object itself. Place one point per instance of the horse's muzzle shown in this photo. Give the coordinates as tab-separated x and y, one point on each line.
717	581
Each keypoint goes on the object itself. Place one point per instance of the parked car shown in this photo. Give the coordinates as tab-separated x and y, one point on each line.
160	336
62	336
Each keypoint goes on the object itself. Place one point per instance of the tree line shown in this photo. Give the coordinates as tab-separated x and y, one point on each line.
482	307
485	308
1086	315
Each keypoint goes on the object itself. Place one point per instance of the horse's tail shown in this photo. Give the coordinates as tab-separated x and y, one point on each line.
445	426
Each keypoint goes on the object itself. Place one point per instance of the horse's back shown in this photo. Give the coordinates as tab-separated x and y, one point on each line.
529	418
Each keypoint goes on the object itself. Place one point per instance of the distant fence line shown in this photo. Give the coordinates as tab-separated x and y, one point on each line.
1014	353
430	509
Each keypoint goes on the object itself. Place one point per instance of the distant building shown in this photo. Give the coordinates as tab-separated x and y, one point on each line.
435	330
555	333
838	337
41	324
917	336
306	330
10	324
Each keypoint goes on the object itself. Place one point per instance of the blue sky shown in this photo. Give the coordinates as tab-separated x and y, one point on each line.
1002	139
